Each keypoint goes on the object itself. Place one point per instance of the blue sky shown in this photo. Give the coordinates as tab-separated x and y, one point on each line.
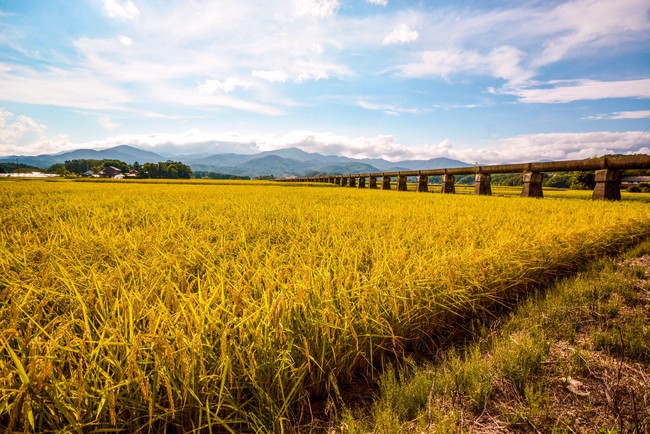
480	81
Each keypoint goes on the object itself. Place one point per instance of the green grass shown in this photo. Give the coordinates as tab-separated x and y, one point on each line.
588	327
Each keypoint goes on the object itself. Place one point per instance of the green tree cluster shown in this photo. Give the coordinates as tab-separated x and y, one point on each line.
79	167
167	169
7	167
572	180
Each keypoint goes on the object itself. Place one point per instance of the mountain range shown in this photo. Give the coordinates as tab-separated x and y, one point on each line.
278	163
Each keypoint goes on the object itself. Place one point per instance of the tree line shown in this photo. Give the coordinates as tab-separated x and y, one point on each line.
164	169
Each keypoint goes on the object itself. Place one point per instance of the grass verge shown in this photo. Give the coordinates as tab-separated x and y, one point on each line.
572	359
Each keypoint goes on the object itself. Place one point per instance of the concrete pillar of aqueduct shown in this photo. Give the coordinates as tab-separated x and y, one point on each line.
353	182
533	185
423	183
344	181
482	185
608	185
448	184
385	182
362	182
372	182
401	182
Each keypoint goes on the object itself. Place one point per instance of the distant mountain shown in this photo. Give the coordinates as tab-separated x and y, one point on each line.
434	163
279	163
125	153
311	164
342	169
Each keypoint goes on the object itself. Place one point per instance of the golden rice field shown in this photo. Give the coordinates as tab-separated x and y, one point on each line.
219	307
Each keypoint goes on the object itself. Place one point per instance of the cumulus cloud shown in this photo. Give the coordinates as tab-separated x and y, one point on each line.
581	90
555	146
315	8
313	74
121	9
501	62
125	40
271	76
401	34
228	85
378	2
21	135
312	70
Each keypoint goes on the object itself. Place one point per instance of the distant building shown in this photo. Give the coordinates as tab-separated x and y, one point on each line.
89	174
110	172
132	174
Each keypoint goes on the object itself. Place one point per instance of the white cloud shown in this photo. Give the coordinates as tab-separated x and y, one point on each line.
524	148
193	97
501	62
228	85
313	74
21	135
638	114
401	34
65	88
580	90
107	123
315	8
554	146
121	9
311	70
271	76
378	2
125	40
389	109
582	24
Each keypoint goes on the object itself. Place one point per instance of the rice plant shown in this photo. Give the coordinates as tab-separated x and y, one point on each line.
227	307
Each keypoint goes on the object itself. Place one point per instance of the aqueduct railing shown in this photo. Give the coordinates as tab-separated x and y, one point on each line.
608	176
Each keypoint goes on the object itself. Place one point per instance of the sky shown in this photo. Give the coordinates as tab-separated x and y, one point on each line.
480	81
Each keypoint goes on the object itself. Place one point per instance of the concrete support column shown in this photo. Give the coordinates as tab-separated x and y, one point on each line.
344	181
482	185
423	183
401	182
448	184
362	182
608	185
385	182
372	182
533	185
337	180
353	182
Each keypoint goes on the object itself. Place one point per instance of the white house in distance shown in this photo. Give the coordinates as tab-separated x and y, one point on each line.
111	172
